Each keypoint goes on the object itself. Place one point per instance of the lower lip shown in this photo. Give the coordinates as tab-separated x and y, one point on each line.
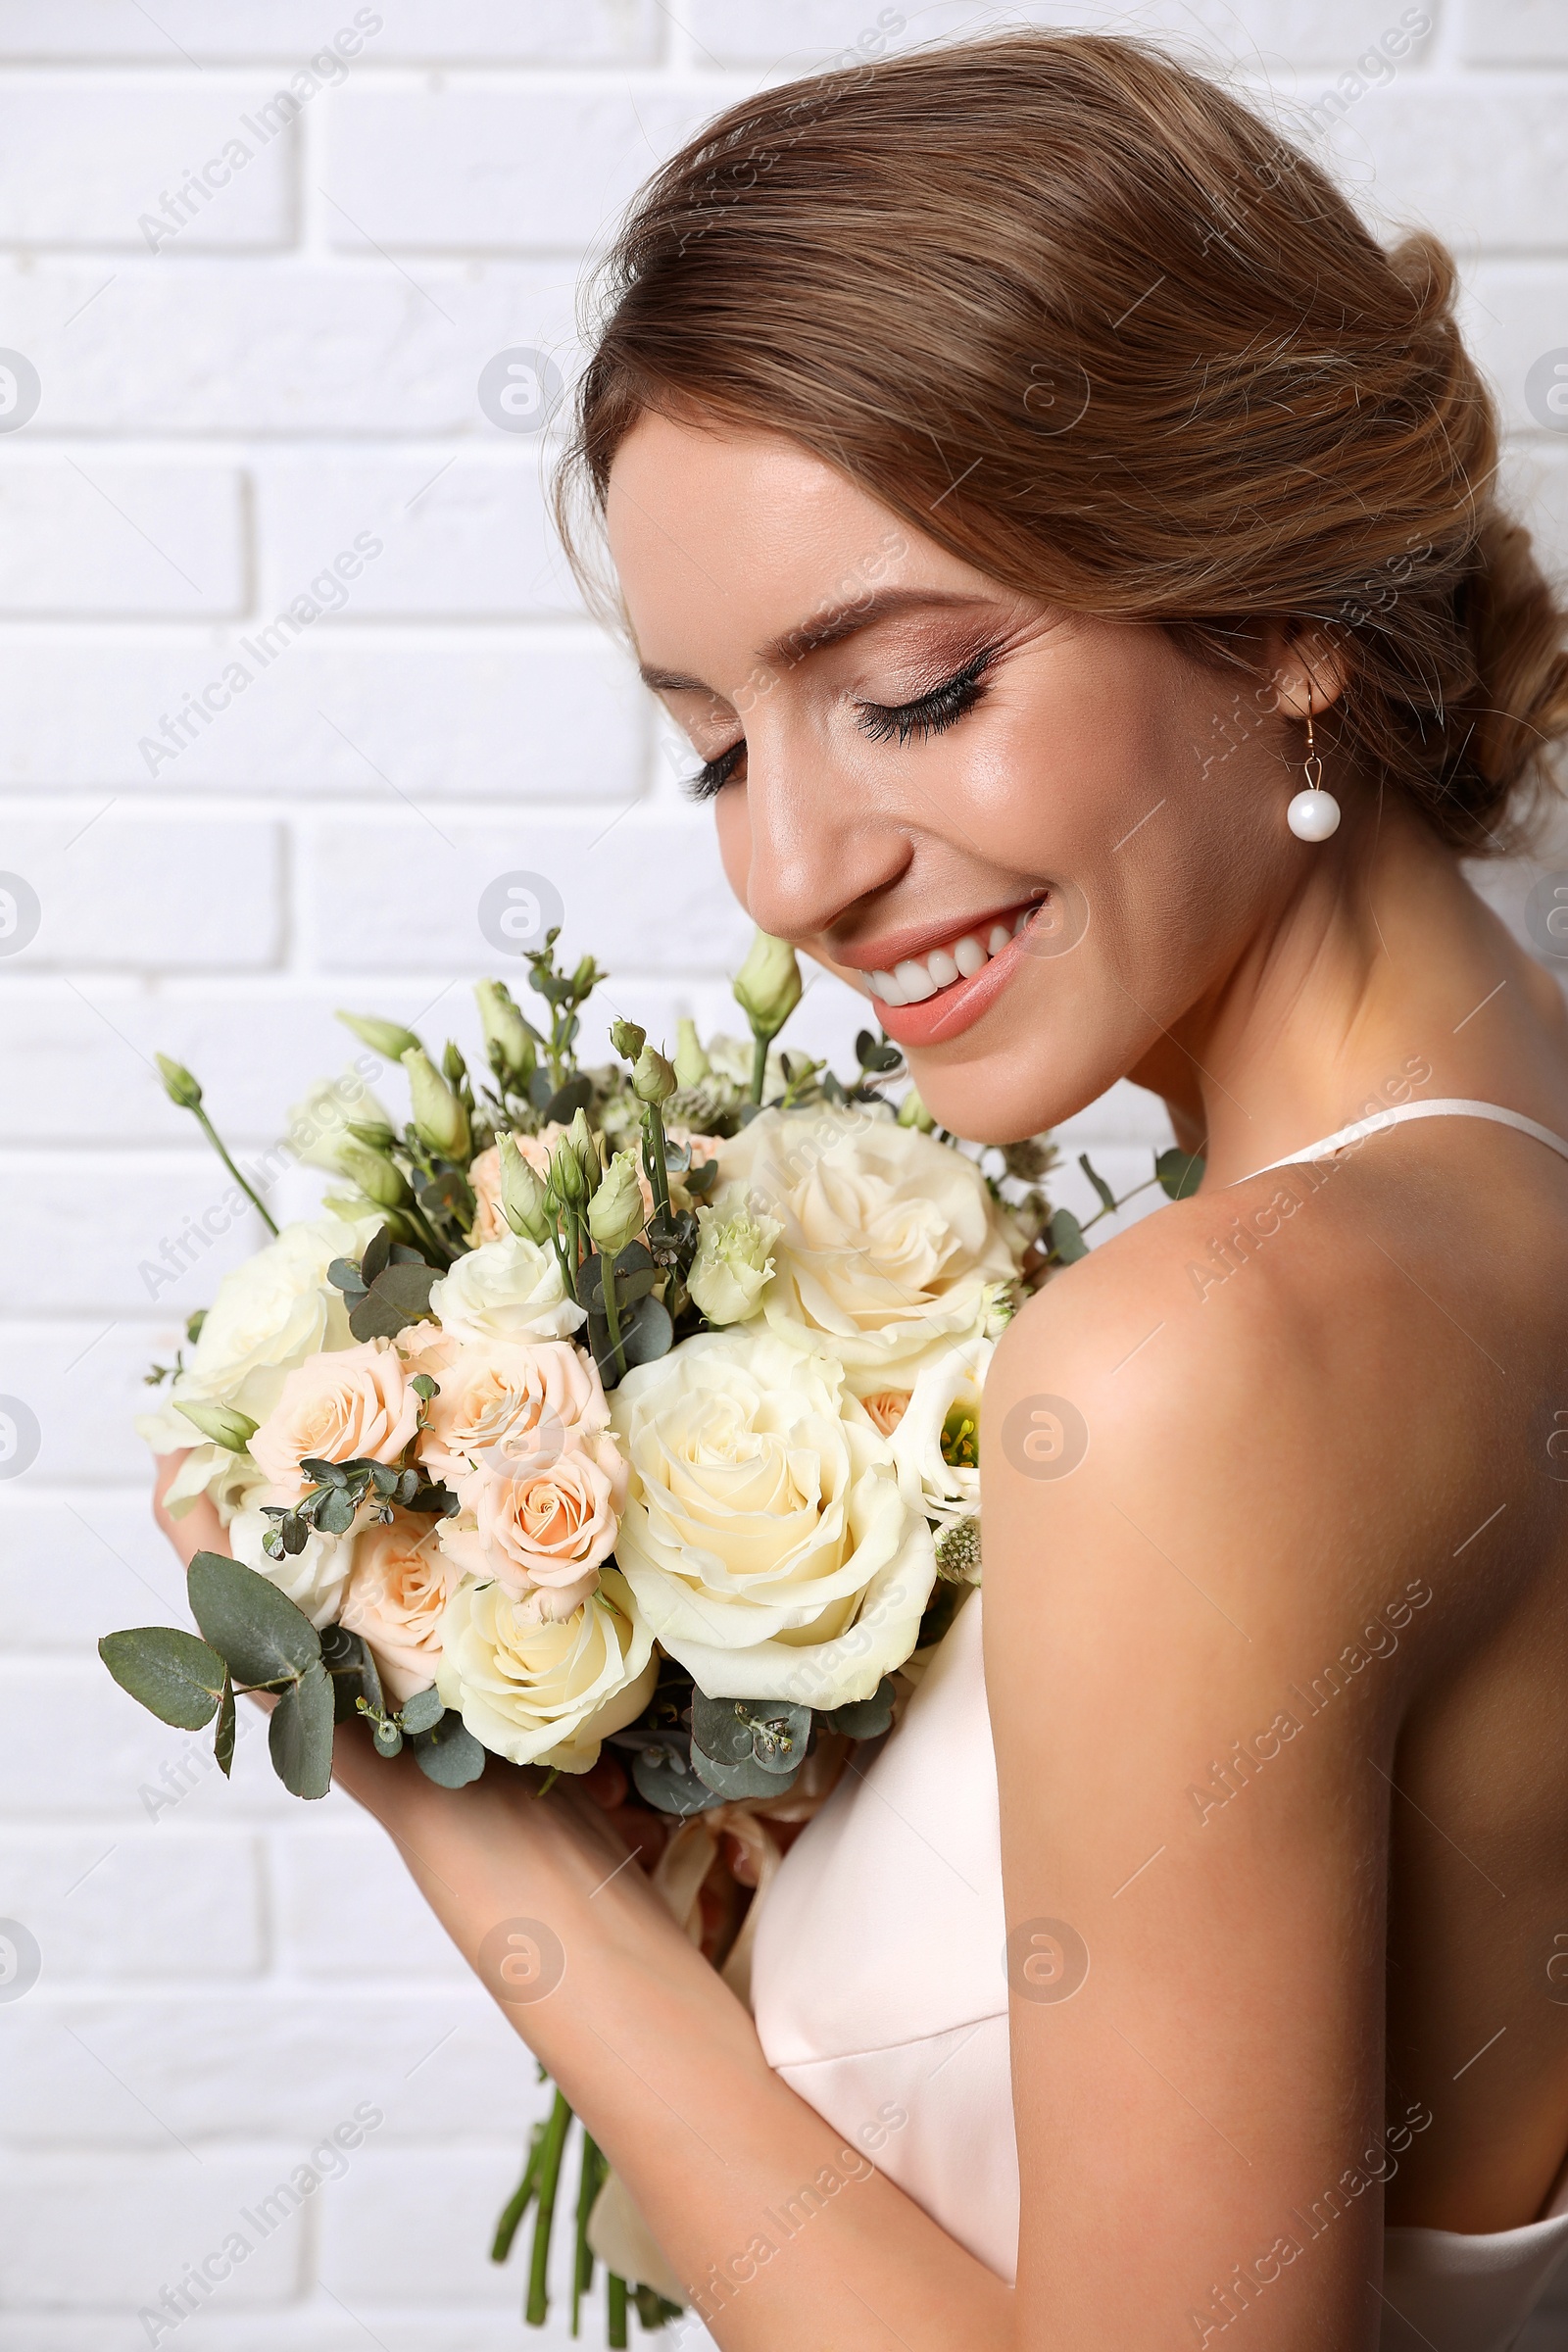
952	1009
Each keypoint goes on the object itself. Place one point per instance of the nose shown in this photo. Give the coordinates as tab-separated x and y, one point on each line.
806	842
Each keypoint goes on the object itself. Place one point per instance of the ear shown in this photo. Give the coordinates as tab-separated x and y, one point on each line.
1307	671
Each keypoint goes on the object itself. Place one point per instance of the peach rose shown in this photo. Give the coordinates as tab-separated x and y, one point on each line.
397	1592
354	1405
506	1403
541	1528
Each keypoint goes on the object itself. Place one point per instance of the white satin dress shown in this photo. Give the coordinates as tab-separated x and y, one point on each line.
878	1986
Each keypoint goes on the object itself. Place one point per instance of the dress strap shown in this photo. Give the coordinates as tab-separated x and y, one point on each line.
1452	1107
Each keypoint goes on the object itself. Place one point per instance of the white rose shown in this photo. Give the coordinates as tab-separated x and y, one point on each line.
268	1315
944	1400
313	1578
892	1247
541	1691
732	1267
507	1289
225	1477
765	1537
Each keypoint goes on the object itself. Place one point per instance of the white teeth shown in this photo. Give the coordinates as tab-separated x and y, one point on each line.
913	980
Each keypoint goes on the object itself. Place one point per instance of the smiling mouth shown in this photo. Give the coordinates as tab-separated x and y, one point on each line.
915	978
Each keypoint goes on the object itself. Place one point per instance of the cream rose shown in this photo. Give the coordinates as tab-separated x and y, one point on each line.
505	1290
540	1524
503	1404
544	1692
268	1315
397	1592
225	1477
891	1249
765	1537
353	1406
313	1578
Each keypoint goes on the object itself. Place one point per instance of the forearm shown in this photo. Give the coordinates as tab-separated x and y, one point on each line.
664	2063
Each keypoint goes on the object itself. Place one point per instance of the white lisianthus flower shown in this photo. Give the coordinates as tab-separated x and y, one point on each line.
507	1290
941	1419
540	1692
891	1250
318	1124
225	1477
313	1578
268	1315
765	1537
732	1267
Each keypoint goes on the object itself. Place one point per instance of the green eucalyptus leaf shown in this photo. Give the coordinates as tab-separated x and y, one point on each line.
1180	1172
701	1181
863	1718
1107	1196
344	1275
424	1712
647	1331
336	1514
378	1251
664	1779
224	1742
568	1100
721	1727
178	1678
348	1660
300	1734
541	1087
449	1755
748	1778
249	1622
1067	1238
387	1737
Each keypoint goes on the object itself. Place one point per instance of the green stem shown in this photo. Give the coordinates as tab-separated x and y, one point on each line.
217	1142
653	1128
607	1278
565	1271
616	2335
507	2226
536	2309
427	1235
588	2180
759	1063
1115	1205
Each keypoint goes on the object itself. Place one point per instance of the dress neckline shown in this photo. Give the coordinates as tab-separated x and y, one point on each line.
1453	1106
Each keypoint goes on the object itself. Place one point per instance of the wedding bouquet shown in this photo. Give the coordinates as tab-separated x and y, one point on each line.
627	1411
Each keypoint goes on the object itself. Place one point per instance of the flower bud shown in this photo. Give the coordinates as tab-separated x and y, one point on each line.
565	1174
223	1423
615	1213
524	1200
627	1039
506	1035
768	986
912	1113
376	1177
652	1080
453	1066
581	1141
439	1117
584	978
376	1133
386	1038
179	1084
692	1065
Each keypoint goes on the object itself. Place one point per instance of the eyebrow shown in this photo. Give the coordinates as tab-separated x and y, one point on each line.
827	625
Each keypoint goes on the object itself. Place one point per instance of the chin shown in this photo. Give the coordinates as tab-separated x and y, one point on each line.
1002	1098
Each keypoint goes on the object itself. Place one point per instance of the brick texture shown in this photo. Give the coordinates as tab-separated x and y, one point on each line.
259	255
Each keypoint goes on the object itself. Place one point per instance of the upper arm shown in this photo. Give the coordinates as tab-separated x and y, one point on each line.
1203	2104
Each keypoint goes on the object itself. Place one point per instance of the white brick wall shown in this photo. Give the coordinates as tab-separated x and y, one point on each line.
222	410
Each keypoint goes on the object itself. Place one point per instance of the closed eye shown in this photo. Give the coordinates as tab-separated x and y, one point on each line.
713	775
930	713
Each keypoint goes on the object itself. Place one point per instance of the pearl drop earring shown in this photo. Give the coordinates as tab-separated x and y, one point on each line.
1313	815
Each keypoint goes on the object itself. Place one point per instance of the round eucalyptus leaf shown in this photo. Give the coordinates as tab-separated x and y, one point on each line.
178	1678
249	1623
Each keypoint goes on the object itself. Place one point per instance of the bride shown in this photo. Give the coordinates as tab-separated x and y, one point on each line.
1069	541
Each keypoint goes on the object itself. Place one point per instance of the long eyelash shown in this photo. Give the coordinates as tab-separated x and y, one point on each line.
930	713
713	775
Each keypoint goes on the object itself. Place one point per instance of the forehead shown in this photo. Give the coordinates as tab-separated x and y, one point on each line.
718	534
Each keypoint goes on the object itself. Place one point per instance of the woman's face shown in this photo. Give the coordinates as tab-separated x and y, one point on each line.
1036	843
